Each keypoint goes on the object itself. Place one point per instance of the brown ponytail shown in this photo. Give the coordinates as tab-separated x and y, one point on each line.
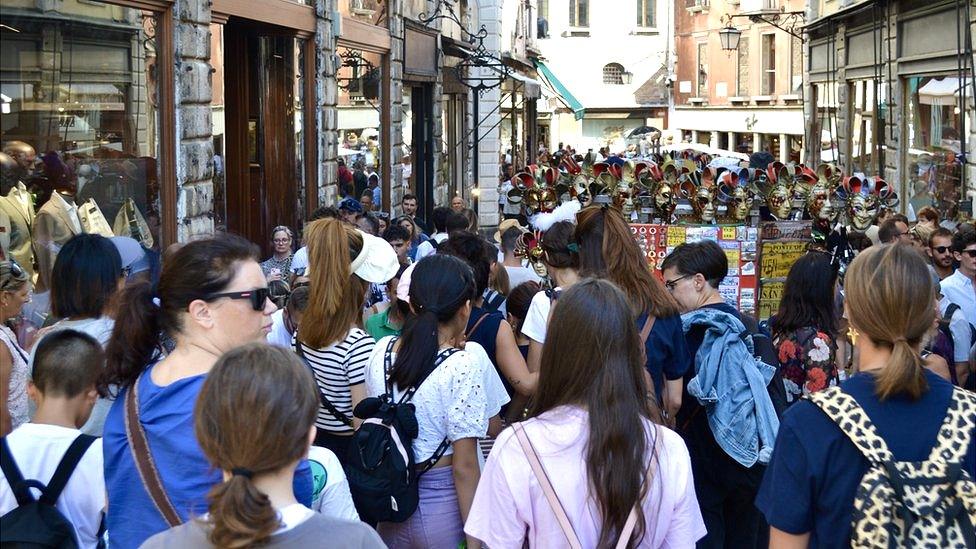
607	249
335	296
889	295
277	392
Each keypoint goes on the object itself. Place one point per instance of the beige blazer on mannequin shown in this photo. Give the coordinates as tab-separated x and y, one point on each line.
54	226
18	206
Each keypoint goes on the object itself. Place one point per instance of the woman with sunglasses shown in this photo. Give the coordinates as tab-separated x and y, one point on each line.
212	297
15	288
279	264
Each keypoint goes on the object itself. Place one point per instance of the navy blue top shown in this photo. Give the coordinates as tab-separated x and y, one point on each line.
667	353
815	470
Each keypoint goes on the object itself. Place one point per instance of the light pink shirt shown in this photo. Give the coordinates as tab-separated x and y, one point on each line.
509	504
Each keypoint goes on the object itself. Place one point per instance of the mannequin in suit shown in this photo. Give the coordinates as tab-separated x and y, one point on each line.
58	219
17	204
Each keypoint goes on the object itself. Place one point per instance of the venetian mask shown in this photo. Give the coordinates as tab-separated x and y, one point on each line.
704	204
739	203
818	202
862	210
665	200
778	201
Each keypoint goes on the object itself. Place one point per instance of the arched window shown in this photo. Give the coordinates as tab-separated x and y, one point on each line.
613	73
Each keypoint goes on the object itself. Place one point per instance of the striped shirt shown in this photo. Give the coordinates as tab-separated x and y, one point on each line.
336	368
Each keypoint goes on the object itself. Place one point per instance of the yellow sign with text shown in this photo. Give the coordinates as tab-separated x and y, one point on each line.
778	256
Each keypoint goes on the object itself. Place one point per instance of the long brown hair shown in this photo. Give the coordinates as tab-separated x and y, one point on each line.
278	393
335	296
592	359
889	294
608	250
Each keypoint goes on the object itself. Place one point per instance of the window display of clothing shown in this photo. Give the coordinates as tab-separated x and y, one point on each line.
92	220
54	226
130	222
18	205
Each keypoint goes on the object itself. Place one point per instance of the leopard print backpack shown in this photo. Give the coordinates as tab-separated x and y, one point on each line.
929	504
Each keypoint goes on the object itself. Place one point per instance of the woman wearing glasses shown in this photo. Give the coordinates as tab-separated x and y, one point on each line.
15	291
212	297
279	264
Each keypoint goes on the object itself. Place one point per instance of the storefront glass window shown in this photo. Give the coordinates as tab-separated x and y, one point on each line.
934	129
79	105
825	124
372	12
867	105
360	106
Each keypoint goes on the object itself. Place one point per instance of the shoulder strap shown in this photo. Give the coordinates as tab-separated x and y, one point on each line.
957	428
67	466
474	327
144	461
15	478
438	360
646	329
950	310
326	403
847	414
543	479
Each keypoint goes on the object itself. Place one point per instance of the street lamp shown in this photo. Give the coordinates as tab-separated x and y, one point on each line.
729	37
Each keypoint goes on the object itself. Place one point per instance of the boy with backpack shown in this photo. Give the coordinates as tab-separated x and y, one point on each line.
52	487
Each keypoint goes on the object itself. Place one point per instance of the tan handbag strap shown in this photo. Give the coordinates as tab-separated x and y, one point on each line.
144	461
646	329
557	507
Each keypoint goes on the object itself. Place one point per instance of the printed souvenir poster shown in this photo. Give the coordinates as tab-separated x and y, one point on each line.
781	244
739	242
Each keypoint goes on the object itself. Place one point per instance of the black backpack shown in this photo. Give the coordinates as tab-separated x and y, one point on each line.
380	467
37	523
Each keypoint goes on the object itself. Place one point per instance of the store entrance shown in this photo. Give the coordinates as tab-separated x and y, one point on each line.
262	89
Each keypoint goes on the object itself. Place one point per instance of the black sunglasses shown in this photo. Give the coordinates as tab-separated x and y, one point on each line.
258	297
942	249
16	273
970	253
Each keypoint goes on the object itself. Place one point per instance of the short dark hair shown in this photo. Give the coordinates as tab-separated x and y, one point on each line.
323	212
67	363
85	277
298	299
899	217
374	223
964	237
941	232
439	216
396	232
888	232
705	257
471	249
510	239
456	222
808	296
408	196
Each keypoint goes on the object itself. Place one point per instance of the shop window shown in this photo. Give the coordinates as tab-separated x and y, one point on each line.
645	13
374	11
742	69
543	6
704	138
768	81
579	13
80	115
825	124
613	73
934	131
359	108
867	104
701	90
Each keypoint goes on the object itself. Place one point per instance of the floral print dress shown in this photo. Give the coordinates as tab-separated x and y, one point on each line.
806	361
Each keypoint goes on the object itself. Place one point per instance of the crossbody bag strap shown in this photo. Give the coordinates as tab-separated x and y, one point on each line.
427	464
646	329
543	479
954	436
474	328
326	403
145	465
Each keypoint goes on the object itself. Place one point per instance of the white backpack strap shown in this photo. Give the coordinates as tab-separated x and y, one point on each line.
844	411
540	475
957	428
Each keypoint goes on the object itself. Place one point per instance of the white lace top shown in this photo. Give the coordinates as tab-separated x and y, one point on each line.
456	401
17	400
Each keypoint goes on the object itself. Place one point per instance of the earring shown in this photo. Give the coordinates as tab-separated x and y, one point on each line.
853	334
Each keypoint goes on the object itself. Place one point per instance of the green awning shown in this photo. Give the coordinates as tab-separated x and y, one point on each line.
568	98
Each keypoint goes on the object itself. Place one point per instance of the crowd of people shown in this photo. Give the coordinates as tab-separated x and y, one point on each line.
379	382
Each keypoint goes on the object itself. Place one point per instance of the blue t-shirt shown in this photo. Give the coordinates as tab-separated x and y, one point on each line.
815	470
667	353
166	414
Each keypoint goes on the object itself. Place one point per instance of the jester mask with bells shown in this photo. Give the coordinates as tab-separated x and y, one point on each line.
529	247
701	194
862	201
533	191
732	192
819	205
571	179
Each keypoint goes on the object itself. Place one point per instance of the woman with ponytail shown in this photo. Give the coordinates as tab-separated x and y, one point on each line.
456	394
212	298
256	454
608	250
343	261
594	433
811	482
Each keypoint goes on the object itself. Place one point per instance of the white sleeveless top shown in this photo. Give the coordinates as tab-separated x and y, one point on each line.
17	401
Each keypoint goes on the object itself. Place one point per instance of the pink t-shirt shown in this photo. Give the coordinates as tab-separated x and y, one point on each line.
509	504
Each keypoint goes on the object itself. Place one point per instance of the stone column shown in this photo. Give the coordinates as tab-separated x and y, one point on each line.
489	148
756	142
784	148
732	143
397	181
326	98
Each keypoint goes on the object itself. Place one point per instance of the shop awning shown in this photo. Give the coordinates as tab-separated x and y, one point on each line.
944	92
564	94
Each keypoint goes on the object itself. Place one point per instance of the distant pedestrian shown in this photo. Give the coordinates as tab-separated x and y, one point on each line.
278	266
